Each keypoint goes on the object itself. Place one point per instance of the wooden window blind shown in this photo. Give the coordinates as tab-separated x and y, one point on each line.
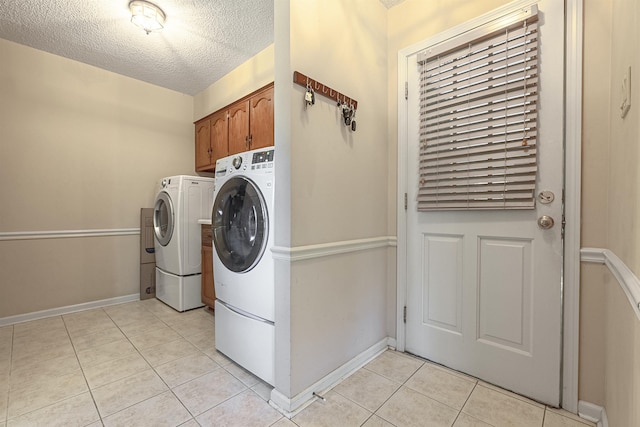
478	122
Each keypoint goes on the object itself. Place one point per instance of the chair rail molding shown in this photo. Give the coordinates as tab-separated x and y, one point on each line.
67	234
623	274
299	253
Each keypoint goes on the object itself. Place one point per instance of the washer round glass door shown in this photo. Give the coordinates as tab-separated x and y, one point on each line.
240	224
163	218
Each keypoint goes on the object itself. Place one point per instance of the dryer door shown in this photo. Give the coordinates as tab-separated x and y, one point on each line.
240	224
163	218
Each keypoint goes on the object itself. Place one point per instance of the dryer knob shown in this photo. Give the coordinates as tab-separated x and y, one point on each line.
237	162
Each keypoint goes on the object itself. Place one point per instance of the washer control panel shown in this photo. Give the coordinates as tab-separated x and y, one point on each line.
255	161
262	159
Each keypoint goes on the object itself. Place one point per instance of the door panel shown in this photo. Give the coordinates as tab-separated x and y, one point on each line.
203	145
239	127
484	287
219	136
442	282
504	293
262	119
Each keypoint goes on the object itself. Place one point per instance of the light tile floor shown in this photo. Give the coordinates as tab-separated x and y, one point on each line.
144	364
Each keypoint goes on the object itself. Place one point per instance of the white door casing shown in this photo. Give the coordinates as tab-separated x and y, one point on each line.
484	288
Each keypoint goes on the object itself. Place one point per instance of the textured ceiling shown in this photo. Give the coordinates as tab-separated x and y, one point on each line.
202	39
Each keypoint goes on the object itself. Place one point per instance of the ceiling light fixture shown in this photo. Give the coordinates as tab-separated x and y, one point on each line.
146	15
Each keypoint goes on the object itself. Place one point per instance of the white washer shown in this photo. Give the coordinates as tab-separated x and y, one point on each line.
242	221
180	202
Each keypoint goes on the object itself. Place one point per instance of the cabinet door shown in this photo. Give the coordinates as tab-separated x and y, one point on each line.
219	136
239	127
261	119
203	145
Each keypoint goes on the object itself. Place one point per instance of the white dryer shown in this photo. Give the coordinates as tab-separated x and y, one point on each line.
242	220
180	202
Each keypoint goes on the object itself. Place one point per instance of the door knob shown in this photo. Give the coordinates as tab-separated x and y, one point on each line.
545	222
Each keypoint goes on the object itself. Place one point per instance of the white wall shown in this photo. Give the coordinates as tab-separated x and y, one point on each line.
80	148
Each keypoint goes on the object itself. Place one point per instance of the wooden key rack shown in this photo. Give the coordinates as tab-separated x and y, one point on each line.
324	90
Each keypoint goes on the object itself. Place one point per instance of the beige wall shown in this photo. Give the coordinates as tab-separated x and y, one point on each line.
343	46
337	187
595	165
623	233
622	359
244	79
610	332
80	148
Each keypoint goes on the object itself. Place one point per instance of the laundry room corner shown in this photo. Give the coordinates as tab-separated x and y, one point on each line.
82	148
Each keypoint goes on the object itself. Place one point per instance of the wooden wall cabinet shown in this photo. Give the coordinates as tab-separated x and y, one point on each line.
211	140
239	127
208	290
261	119
203	145
247	124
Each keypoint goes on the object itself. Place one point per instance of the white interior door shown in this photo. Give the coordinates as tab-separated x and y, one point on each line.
484	287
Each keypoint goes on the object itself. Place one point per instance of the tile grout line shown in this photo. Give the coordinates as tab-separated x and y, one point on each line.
247	387
8	398
75	352
150	366
82	368
6	415
57	401
371	413
465	404
101	419
85	377
511	394
153	368
398	389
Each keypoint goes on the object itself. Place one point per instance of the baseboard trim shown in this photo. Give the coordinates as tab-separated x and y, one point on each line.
67	234
19	318
292	406
392	343
593	413
334	248
623	274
